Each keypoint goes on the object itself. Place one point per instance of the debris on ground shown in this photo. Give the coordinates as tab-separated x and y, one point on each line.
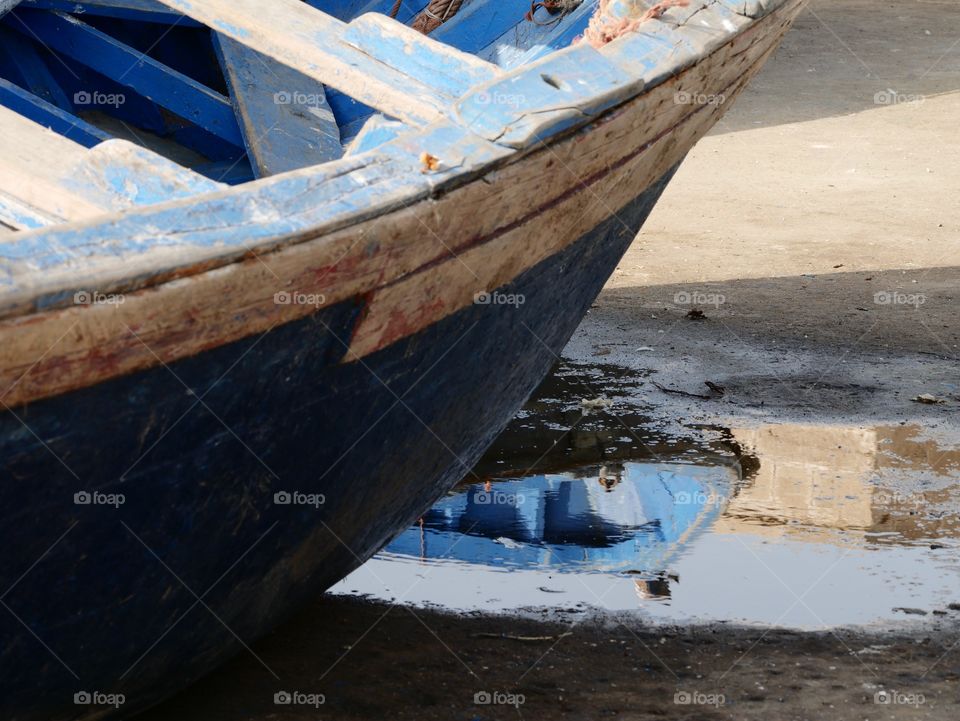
718	389
592	405
928	398
679	392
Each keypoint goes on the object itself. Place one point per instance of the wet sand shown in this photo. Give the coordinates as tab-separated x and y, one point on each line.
818	231
373	661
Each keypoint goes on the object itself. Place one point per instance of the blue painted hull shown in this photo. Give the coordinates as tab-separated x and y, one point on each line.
145	597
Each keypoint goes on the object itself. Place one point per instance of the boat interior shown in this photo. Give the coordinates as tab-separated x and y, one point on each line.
198	110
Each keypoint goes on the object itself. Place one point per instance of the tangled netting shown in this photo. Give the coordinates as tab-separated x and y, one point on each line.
605	27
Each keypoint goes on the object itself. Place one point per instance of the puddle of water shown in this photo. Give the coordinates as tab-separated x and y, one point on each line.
795	525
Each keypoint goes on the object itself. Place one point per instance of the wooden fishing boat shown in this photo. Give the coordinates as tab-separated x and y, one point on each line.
274	274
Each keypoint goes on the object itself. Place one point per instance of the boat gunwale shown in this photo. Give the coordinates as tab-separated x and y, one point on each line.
53	287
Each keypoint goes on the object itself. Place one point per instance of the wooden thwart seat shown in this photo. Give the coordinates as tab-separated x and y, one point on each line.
284	116
46	178
375	60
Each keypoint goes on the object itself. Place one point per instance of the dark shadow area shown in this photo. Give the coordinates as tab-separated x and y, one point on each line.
910	311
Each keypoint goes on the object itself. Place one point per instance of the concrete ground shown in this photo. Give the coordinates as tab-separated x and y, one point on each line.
817	228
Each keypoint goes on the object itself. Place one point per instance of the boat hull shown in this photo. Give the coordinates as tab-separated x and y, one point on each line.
187	554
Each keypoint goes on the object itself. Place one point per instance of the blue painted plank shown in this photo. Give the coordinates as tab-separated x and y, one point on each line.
140	10
447	70
479	23
375	132
163	85
231	172
346	110
537	101
31	70
20	216
527	41
340	9
209	146
284	116
313	42
50	116
563	35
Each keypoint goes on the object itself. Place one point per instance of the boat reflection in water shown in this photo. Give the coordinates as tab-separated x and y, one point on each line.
804	525
619	518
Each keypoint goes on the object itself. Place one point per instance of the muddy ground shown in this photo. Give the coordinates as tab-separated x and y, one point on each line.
817	230
371	661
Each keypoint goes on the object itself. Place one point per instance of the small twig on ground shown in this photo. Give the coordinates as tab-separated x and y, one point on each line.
684	393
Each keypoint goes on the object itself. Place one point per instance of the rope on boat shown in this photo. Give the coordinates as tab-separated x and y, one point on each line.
435	14
604	26
554	7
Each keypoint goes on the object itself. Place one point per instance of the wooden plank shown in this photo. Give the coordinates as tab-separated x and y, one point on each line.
312	42
479	23
528	41
375	132
284	116
49	116
34	75
140	10
18	215
447	69
131	68
522	107
62	180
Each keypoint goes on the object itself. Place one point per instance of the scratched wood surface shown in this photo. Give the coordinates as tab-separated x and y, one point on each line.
389	77
80	345
284	115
